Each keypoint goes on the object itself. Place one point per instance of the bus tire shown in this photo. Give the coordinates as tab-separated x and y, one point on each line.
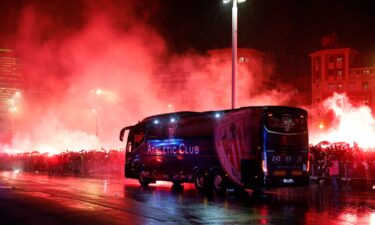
142	177
200	181
218	183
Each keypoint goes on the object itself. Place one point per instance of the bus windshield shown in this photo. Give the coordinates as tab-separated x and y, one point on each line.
285	122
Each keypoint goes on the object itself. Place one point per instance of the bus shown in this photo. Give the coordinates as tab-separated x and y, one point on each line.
250	147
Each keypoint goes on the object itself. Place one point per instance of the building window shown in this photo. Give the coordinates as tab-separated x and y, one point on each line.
365	85
339	72
366	71
339	62
351	86
339	86
243	59
331	87
365	100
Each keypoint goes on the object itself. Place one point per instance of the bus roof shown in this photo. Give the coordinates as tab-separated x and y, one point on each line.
183	114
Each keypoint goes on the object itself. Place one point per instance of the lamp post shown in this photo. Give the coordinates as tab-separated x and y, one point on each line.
234	48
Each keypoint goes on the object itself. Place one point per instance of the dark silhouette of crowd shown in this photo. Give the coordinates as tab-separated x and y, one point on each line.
82	162
356	166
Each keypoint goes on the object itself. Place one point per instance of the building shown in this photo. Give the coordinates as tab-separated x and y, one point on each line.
10	85
340	70
9	78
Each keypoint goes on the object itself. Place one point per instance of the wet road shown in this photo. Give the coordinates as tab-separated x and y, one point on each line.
40	199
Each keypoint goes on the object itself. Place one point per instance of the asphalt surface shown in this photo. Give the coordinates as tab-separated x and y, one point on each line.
40	199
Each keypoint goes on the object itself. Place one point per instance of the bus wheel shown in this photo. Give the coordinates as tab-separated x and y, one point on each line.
200	181
218	183
142	177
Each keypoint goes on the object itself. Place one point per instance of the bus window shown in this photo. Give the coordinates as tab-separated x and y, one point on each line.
129	147
138	138
135	138
155	132
199	127
285	122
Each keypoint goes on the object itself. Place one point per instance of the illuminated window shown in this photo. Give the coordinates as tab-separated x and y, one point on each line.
339	62
365	85
339	72
243	59
365	100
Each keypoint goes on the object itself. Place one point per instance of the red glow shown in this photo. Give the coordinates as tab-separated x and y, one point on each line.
114	50
348	123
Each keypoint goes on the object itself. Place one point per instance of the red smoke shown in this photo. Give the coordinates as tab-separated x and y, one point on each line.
340	121
107	46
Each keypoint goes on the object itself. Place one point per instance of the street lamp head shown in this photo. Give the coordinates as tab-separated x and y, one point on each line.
98	91
227	1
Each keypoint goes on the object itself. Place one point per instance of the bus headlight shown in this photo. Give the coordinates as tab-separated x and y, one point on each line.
264	166
308	166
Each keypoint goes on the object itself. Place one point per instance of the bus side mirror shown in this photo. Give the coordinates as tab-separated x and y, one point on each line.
122	134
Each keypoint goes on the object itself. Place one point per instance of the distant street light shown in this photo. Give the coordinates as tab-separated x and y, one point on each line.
170	108
234	48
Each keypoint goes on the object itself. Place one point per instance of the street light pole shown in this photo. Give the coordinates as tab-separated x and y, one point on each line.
234	52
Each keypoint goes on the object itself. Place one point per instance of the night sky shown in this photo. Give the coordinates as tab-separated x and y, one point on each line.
287	31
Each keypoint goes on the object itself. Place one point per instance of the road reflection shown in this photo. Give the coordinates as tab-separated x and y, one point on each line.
316	204
164	203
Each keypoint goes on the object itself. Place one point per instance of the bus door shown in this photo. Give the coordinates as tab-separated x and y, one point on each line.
134	145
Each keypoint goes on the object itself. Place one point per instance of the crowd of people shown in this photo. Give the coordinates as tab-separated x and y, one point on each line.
336	161
66	163
351	163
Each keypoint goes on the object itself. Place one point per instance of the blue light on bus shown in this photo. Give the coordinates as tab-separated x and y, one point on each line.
173	120
156	121
217	115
